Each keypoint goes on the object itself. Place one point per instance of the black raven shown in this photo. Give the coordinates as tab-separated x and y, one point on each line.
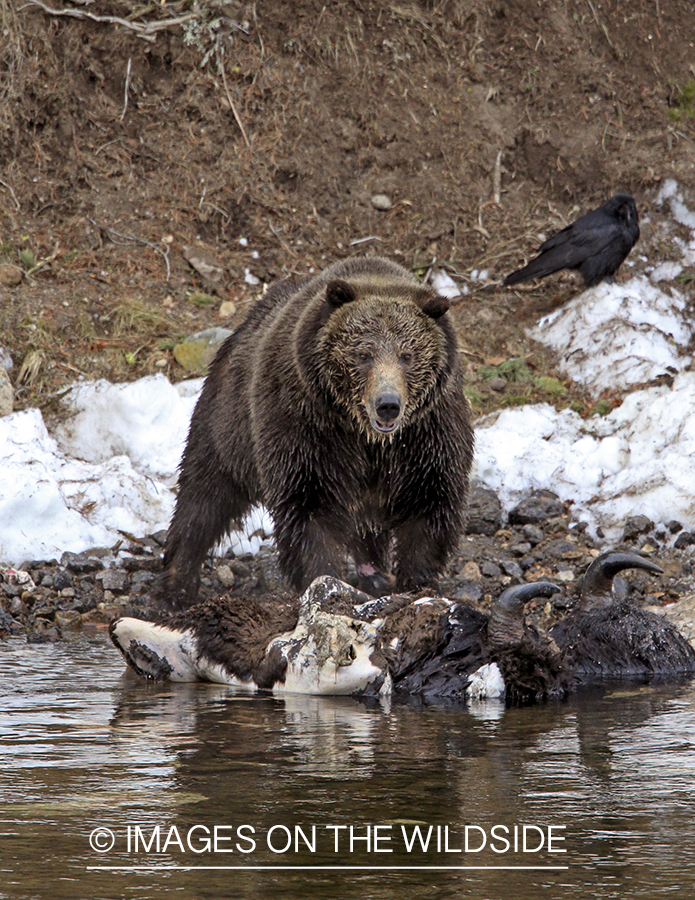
596	244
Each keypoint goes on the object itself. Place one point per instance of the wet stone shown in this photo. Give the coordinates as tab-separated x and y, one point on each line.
562	602
490	570
533	534
240	568
674	527
635	526
7	623
68	619
541	506
559	549
484	512
46	636
114	580
225	576
511	568
62	580
18	607
520	549
77	562
684	539
469	591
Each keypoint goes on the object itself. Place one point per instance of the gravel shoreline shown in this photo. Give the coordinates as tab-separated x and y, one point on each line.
47	600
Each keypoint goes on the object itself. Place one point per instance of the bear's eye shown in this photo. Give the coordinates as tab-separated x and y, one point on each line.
364	356
406	356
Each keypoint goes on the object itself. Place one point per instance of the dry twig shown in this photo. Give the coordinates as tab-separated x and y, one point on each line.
145	30
131	239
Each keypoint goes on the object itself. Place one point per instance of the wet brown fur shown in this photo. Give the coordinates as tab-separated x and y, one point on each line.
287	418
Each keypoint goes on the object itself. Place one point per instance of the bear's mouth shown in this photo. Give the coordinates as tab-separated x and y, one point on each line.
384	427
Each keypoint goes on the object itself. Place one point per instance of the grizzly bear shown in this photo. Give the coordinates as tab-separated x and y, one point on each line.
338	403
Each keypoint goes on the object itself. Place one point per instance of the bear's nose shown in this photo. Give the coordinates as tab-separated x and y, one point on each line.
388	407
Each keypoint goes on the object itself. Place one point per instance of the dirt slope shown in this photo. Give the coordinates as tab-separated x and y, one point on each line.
127	136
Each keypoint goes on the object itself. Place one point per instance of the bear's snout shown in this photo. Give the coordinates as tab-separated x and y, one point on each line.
385	400
388	407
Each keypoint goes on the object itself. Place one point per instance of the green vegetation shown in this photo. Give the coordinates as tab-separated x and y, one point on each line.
200	299
684	105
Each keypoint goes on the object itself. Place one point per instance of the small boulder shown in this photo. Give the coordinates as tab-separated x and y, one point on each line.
196	352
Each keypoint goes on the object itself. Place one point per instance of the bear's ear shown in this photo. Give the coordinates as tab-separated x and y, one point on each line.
338	293
431	303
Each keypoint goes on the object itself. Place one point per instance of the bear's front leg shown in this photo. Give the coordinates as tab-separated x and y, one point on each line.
308	545
422	549
370	551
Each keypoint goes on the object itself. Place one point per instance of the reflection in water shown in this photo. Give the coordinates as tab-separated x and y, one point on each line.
85	747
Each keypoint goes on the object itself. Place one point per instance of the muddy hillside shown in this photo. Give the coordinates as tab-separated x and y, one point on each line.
160	163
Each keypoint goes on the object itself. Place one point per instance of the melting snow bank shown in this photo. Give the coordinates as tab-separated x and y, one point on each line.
111	468
147	421
640	459
614	336
108	469
50	503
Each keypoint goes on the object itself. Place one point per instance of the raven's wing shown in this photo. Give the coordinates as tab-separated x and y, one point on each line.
571	247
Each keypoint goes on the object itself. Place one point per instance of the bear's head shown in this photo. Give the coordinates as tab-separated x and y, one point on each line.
382	350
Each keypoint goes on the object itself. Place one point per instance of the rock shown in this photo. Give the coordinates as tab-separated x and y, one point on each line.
520	549
68	619
226	310
565	575
61	580
382	202
204	264
539	507
469	591
196	352
471	571
635	526
6	393
560	550
115	580
79	562
533	534
509	567
240	568
497	384
682	614
10	276
484	512
7	624
225	576
684	539
143	577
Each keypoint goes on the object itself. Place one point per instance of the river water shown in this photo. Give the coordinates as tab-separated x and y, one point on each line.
111	787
